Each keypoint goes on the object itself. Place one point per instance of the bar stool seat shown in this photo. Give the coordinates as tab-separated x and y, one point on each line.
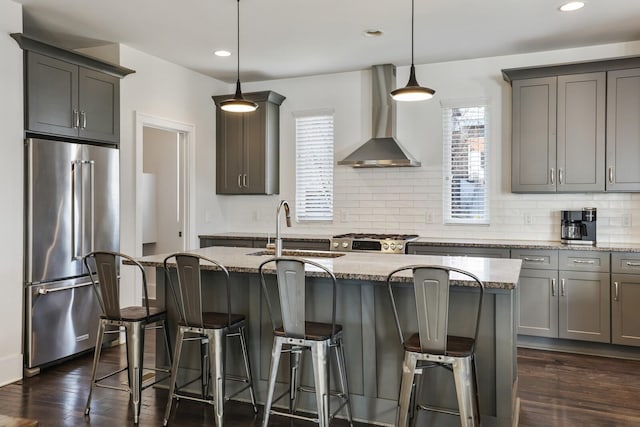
212	320
432	346
134	319
137	314
314	331
211	330
456	346
295	335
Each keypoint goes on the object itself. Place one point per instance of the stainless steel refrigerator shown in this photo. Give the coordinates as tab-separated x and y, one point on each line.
72	208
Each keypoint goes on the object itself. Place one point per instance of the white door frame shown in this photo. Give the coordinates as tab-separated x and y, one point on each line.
143	120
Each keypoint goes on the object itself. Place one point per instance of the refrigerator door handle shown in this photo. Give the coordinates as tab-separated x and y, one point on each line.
79	208
45	291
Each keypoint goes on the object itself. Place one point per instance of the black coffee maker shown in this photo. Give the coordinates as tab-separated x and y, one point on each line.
578	227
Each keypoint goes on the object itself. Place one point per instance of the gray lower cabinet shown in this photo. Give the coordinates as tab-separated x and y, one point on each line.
206	242
625	294
259	242
537	295
584	302
584	307
70	100
623	130
558	141
486	252
247	146
564	294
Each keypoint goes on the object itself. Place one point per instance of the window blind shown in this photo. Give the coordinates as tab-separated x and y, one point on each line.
314	167
466	193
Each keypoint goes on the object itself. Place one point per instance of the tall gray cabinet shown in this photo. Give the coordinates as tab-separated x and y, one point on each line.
247	146
575	127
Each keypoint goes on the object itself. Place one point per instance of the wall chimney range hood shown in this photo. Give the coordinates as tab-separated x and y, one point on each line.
383	149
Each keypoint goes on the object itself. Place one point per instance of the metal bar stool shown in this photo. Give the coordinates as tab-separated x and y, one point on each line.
431	346
293	334
211	330
135	320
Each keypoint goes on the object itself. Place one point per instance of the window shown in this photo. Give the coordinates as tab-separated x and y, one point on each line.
466	193
314	166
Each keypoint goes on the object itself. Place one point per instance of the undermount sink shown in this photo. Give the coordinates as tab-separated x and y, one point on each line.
299	253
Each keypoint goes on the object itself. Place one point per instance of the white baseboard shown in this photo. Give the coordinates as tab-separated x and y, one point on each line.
10	369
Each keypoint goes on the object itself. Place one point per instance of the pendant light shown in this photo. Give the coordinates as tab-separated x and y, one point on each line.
412	91
238	104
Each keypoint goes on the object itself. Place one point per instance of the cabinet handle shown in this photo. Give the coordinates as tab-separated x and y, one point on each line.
239	180
633	264
610	175
553	287
562	287
552	176
533	259
582	261
560	176
83	116
244	181
616	295
76	119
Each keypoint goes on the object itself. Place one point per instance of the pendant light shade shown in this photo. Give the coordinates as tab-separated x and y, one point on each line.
238	104
412	91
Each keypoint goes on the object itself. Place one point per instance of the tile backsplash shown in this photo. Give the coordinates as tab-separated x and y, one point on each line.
409	200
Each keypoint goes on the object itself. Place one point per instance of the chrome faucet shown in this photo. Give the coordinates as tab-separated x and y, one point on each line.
285	204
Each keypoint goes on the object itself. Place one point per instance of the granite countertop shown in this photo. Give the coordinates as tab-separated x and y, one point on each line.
494	272
272	236
526	244
442	241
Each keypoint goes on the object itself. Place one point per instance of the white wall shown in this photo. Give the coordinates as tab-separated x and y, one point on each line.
11	172
398	199
162	89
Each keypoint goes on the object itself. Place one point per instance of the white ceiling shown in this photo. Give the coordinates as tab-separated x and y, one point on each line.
290	38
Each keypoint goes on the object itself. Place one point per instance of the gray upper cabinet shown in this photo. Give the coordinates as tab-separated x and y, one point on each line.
581	132
558	141
70	100
534	135
623	130
247	146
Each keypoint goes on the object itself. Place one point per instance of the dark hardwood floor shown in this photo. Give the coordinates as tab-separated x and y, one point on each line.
556	389
559	389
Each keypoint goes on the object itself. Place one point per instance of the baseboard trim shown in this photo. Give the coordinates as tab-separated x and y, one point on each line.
11	369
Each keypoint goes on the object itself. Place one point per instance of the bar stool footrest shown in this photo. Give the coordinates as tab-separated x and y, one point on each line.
439	410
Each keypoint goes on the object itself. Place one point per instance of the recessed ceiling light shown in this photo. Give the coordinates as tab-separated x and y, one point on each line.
222	53
571	6
372	33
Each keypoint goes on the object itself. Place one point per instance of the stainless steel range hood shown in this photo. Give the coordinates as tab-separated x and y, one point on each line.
383	149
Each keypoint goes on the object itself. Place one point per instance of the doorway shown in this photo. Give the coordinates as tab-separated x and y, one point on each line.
164	179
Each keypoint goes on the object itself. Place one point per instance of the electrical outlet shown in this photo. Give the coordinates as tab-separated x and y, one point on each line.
528	219
344	216
428	217
256	215
626	220
208	216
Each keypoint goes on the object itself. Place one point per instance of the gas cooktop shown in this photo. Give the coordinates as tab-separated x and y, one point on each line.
371	242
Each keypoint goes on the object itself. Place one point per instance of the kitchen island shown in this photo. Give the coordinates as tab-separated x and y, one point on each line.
374	354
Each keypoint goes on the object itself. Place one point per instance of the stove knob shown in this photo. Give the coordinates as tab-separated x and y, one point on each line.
385	246
399	247
345	244
336	244
392	246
